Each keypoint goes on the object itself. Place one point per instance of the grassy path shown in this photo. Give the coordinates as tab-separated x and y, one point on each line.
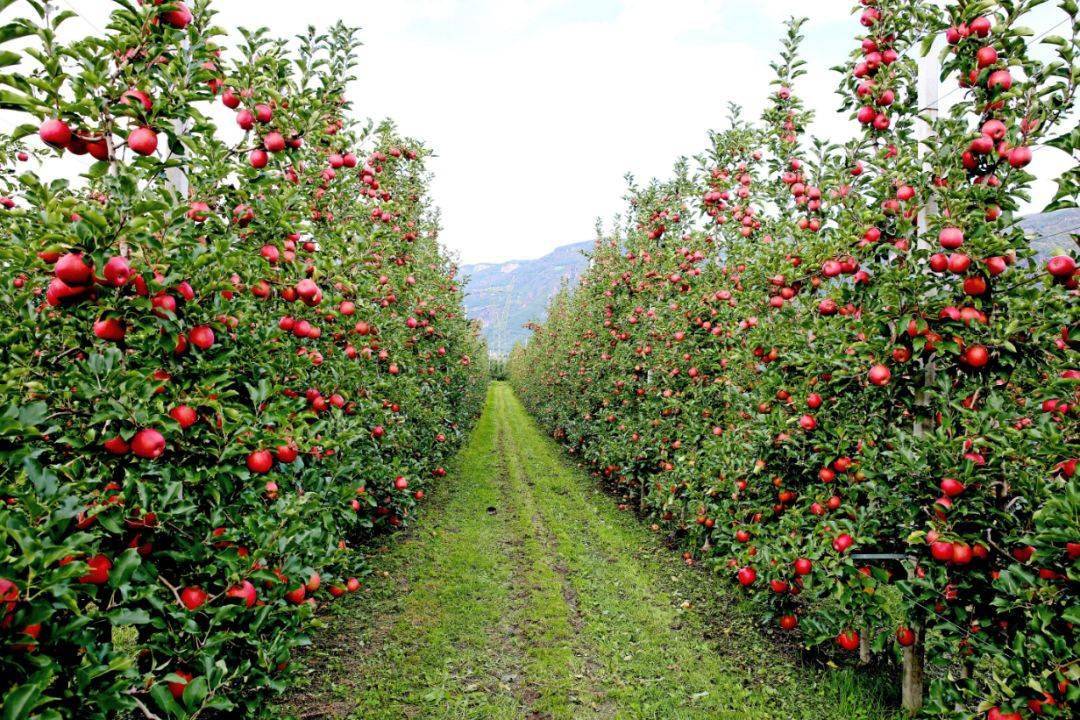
525	593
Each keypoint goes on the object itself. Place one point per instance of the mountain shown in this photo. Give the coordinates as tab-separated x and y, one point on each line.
1053	230
505	296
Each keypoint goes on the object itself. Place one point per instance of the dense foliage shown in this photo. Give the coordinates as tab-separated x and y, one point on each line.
836	373
225	365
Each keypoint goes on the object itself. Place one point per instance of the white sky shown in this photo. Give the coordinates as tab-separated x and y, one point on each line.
537	108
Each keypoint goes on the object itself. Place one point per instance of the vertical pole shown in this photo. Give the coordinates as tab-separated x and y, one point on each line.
913	657
176	176
864	645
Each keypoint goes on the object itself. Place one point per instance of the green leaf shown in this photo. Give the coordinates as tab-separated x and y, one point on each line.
195	692
124	616
125	566
21	700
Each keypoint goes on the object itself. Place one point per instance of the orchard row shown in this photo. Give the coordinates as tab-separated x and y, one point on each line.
839	376
226	365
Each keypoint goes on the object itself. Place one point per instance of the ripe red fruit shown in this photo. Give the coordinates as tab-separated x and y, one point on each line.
274	142
951	487
813	401
975	285
148	443
285	453
184	415
258	158
842	542
958	263
55	133
807	422
986	56
905	636
230	99
244	591
263	113
1020	156
848	639
109	329
999	80
980	26
880	375
353	585
941	551
746	576
951	238
260	461
202	337
1023	553
179	18
73	270
245	119
143	141
176	687
116	446
98	574
803	566
1061	266
193	597
307	289
117	271
788	622
401	483
296	595
976	356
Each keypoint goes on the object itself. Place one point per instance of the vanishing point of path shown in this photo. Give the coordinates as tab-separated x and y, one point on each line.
523	592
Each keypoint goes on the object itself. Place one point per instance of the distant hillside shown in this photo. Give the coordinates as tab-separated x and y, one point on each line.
505	296
1053	230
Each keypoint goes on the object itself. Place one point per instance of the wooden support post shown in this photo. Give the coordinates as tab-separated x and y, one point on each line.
864	645
913	660
913	657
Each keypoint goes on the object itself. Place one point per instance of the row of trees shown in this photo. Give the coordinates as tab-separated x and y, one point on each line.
838	374
225	365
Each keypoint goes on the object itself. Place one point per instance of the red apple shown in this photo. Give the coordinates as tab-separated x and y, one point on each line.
880	375
1061	266
260	461
848	639
148	443
55	133
184	415
143	141
193	598
202	337
98	574
73	270
109	329
117	271
176	687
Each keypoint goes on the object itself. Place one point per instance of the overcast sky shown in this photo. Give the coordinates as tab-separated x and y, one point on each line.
537	108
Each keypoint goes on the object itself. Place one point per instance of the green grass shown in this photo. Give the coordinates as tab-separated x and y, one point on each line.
525	593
